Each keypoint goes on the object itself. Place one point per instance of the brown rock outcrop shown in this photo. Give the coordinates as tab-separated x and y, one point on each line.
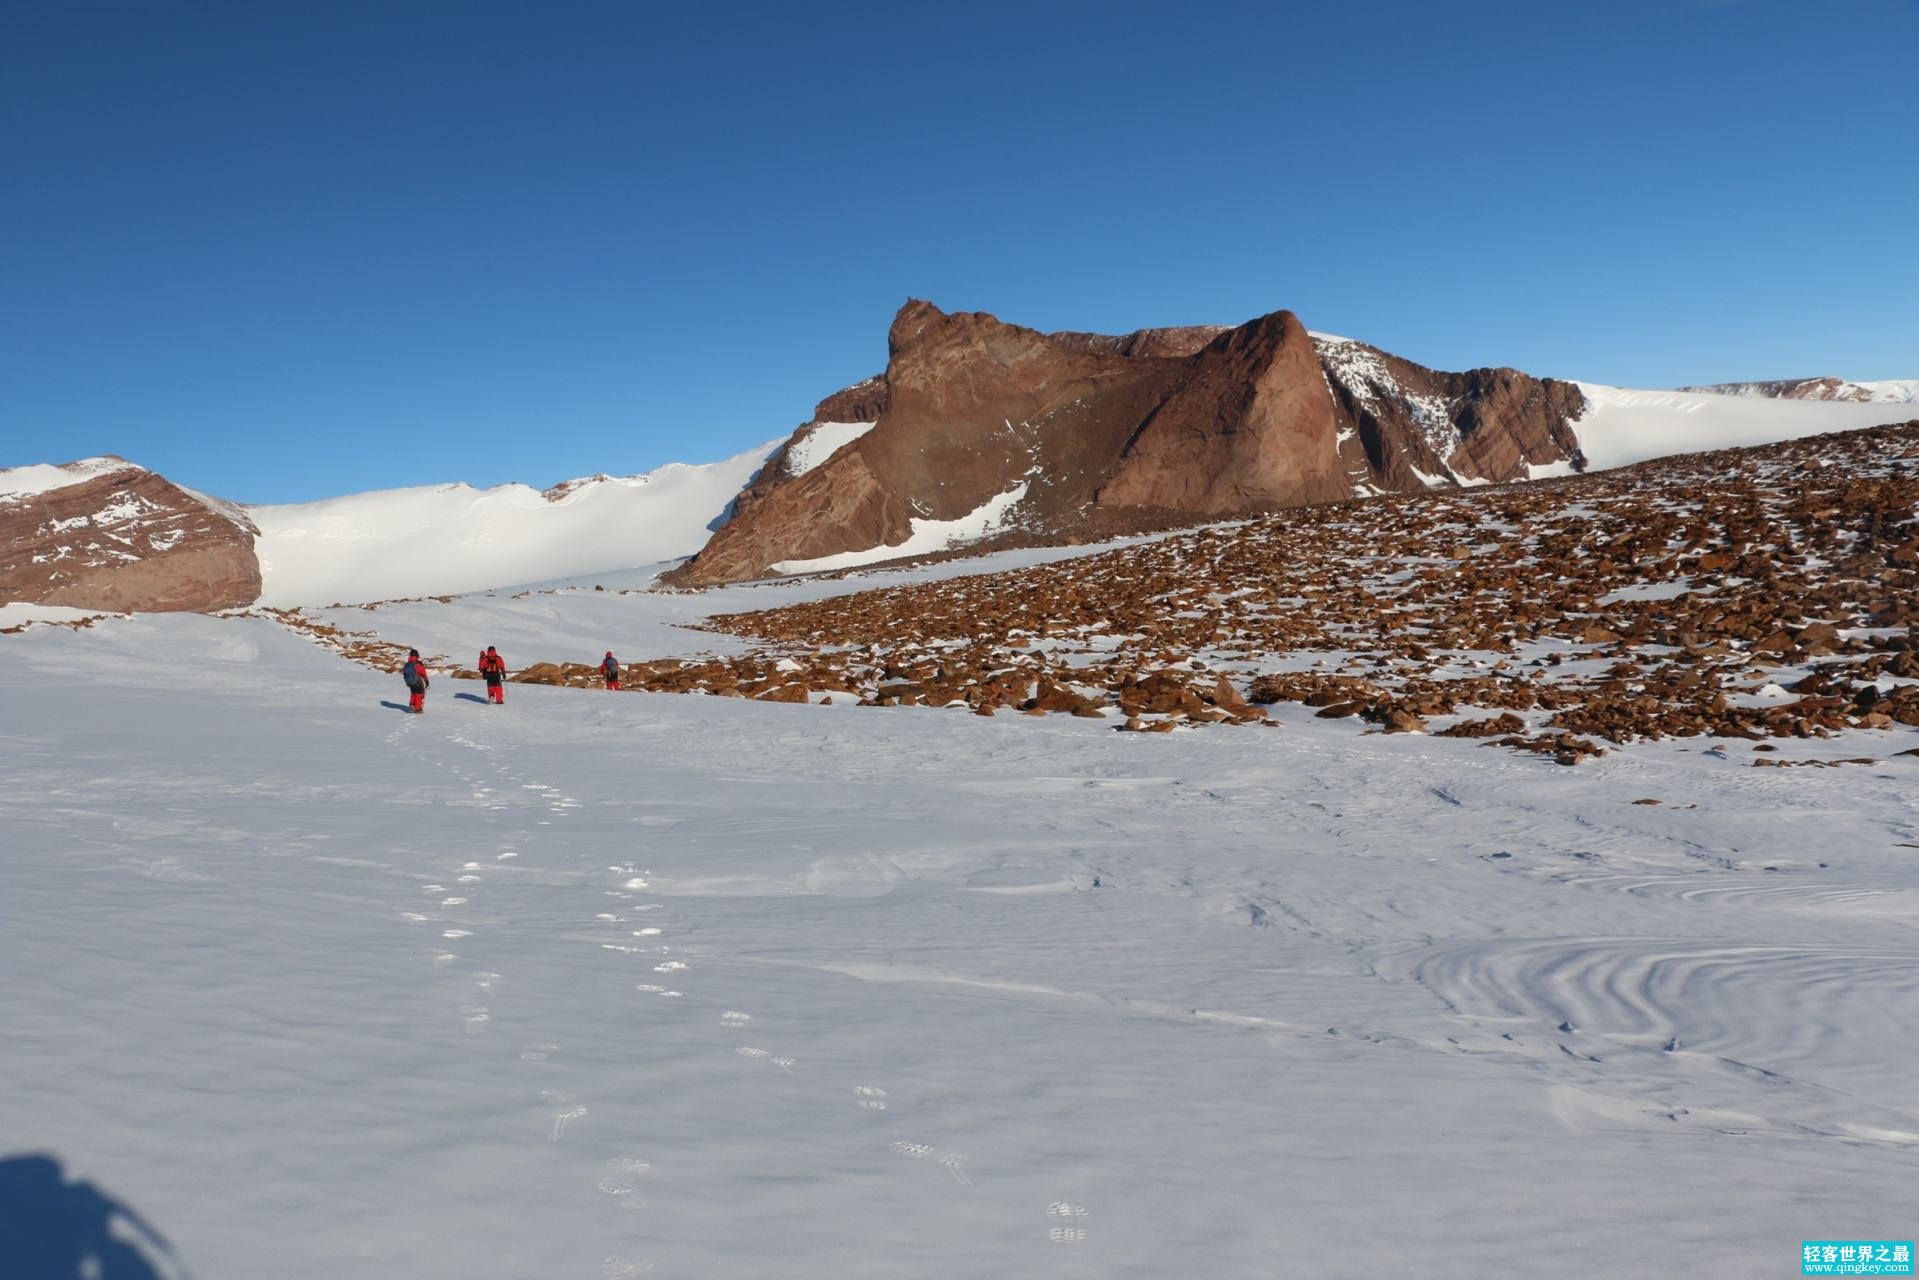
1194	420
125	539
1099	435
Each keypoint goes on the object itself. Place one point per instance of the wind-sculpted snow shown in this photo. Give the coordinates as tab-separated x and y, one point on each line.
607	986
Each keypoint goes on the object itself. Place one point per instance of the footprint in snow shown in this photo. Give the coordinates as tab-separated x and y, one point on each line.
766	1055
949	1160
1071	1219
538	1052
671	966
564	1116
734	1018
622	1181
614	1267
869	1097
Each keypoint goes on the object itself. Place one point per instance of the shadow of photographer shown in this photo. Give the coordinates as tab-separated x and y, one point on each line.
53	1229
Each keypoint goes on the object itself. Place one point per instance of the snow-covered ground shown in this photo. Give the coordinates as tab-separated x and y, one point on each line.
451	538
567	619
15	613
606	985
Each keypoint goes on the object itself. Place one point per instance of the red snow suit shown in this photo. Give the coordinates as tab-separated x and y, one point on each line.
493	667
414	673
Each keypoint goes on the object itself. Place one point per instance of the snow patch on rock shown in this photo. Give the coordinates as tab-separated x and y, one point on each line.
41	477
822	441
928	536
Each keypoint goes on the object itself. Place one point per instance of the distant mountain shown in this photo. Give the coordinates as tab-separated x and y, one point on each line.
107	534
1890	391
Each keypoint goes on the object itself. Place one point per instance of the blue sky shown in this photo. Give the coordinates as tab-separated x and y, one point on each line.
279	252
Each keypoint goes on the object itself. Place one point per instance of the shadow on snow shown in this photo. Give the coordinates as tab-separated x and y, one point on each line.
52	1229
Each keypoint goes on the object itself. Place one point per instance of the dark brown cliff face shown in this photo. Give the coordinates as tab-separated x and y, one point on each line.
1201	421
1404	427
1249	427
862	402
125	540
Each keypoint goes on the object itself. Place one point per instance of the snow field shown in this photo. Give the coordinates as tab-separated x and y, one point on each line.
600	986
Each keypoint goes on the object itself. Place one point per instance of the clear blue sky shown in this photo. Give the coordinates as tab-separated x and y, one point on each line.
285	251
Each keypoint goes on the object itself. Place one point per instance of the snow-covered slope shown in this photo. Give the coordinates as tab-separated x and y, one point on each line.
438	540
1623	426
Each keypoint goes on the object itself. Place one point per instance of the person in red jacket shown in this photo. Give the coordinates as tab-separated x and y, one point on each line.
493	668
610	671
414	673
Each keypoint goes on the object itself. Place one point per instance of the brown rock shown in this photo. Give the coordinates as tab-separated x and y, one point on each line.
1404	722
